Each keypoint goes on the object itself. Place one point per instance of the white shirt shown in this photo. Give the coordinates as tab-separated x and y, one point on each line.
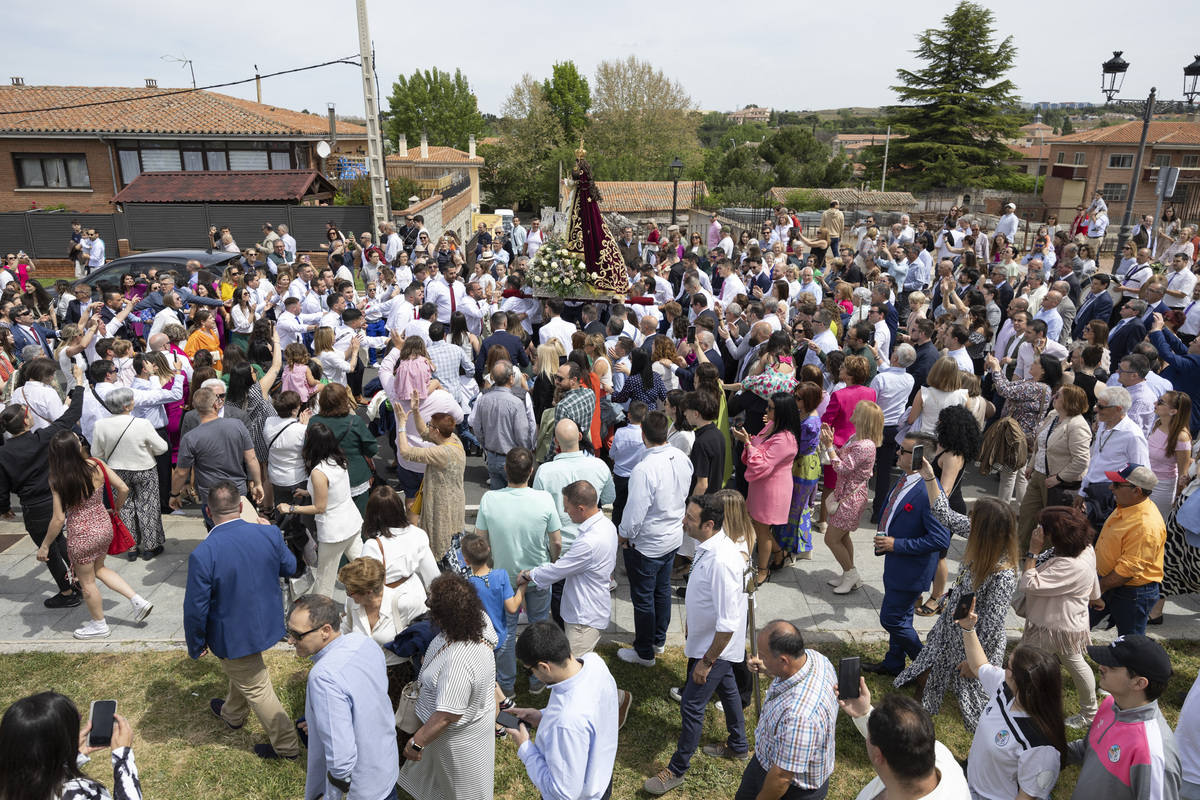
419	327
952	784
883	341
289	245
438	293
93	408
1025	356
717	600
586	568
626	450
815	288
292	327
95	252
310	300
1002	760
1007	224
42	400
658	489
731	287
962	359
826	341
392	248
285	439
557	328
576	747
1191	325
534	240
476	311
1182	281
1054	322
1113	448
154	412
892	387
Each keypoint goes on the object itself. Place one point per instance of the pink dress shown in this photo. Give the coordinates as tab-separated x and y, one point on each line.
768	463
412	375
837	416
295	379
89	529
855	465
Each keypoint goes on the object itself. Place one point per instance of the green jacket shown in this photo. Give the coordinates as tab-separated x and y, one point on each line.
356	442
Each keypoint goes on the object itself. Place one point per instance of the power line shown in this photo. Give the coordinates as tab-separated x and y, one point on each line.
179	91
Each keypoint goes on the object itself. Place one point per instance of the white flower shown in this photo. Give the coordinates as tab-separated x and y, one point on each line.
556	280
554	263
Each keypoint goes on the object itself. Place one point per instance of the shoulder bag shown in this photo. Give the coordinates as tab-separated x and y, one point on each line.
406	710
122	539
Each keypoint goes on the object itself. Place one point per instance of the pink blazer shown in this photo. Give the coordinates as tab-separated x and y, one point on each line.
841	407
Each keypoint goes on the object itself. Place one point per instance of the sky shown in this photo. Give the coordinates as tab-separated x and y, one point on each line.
806	56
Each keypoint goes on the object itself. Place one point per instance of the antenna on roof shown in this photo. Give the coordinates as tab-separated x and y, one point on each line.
187	62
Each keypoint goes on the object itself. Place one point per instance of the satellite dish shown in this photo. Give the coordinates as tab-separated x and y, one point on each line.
323	149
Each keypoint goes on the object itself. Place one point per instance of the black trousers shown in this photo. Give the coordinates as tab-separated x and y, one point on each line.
163	464
37	520
622	487
885	454
756	775
355	379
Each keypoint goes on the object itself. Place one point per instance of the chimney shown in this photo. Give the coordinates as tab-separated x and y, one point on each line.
18	81
151	83
471	146
424	145
332	124
403	145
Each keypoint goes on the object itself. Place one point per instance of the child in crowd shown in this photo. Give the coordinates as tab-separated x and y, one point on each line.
297	377
123	361
414	370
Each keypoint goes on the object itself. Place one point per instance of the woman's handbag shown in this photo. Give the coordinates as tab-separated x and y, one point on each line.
122	540
1018	603
406	710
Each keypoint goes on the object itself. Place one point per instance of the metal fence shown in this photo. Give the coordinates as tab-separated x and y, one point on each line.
150	226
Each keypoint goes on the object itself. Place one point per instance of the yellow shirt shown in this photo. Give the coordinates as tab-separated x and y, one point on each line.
1131	544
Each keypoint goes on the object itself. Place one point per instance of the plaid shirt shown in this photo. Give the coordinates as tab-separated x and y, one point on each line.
577	405
795	731
447	358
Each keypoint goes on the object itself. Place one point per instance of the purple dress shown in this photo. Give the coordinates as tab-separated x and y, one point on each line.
768	463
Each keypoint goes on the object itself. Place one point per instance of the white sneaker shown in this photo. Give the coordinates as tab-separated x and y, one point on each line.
612	584
677	696
659	649
630	656
96	629
141	608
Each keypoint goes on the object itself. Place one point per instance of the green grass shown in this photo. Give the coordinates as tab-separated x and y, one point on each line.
183	751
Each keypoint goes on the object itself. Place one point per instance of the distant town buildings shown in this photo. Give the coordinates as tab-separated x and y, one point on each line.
752	114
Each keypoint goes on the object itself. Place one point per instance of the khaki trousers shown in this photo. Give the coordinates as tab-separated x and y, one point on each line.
582	639
250	690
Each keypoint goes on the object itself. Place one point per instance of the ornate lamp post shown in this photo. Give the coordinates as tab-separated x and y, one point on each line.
1112	78
676	168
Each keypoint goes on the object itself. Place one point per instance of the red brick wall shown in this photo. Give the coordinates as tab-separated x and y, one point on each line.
98	199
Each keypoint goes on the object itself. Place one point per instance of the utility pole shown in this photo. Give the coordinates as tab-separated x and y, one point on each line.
886	144
380	212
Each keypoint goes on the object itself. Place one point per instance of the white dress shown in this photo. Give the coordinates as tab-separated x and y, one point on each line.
341	519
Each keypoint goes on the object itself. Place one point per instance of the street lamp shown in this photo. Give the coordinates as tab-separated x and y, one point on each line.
1037	176
1112	77
676	169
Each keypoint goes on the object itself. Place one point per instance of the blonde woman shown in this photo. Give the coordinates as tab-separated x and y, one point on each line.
336	365
597	353
854	463
545	367
944	389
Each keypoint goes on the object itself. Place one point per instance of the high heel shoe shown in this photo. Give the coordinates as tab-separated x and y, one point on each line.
786	560
850	582
759	582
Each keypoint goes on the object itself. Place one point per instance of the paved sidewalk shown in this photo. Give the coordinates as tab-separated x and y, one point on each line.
798	593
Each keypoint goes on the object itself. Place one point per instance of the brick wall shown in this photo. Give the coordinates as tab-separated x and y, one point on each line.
96	199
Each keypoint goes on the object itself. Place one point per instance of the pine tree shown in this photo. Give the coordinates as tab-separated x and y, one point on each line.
956	111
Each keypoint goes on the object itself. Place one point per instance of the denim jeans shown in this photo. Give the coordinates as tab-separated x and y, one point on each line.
410	481
693	703
495	466
650	591
1127	607
537	607
464	433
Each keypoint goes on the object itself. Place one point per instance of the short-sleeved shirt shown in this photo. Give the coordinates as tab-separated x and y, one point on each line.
493	589
708	458
518	522
1009	752
217	452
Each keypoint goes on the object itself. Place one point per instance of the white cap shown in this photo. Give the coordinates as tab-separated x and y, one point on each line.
1011	205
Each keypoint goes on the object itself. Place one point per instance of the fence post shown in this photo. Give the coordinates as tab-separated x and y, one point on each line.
29	235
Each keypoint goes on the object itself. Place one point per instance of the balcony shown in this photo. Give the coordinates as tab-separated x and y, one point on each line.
1070	172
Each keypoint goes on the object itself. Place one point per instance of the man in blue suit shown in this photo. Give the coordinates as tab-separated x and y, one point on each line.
26	332
1097	304
233	606
1183	364
1128	331
910	540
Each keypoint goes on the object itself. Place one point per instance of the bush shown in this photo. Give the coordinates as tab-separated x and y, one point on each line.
358	193
805	201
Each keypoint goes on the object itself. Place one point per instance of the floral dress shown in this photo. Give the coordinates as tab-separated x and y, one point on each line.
795	535
944	649
854	464
1026	401
89	529
770	381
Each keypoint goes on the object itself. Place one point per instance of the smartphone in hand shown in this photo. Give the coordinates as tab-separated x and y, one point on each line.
507	720
849	672
964	605
102	718
918	455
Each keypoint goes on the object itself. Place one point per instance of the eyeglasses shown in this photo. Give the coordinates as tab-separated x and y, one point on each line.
1101	406
295	637
905	452
220	398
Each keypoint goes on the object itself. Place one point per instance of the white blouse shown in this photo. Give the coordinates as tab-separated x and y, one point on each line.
341	519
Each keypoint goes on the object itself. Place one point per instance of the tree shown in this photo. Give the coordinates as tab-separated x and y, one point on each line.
569	98
956	110
641	120
437	103
1067	127
790	156
522	168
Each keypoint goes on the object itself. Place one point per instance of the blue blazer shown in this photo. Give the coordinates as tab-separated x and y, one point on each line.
919	538
21	339
1183	369
233	604
1120	345
1100	308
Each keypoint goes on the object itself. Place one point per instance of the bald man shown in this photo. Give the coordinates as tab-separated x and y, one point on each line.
570	465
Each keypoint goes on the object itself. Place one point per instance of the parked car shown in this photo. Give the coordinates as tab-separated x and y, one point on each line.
162	260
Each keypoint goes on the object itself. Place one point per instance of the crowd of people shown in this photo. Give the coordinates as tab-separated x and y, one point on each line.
740	399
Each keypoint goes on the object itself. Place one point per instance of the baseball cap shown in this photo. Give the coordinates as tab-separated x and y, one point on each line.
1011	205
1135	474
1134	651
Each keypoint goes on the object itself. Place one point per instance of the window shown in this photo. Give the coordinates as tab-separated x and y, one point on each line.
1116	192
1061	158
137	157
1120	161
1162	160
1191	161
52	172
1080	159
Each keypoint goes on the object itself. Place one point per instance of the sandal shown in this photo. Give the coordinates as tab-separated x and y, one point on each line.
759	582
785	559
926	611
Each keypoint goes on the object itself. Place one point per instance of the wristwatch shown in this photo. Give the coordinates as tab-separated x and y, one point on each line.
1030	554
708	662
416	747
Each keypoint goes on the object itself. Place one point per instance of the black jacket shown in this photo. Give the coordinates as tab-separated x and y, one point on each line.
25	460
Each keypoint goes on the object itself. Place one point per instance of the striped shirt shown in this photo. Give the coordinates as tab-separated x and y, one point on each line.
795	731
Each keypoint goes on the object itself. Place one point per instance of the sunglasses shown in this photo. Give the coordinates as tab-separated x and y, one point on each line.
295	637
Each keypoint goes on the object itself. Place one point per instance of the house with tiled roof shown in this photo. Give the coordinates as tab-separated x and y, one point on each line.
852	199
649	199
1103	159
436	169
79	146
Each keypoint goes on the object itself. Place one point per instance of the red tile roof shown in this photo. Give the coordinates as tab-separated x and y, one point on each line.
148	111
289	185
437	155
634	196
850	197
1131	133
1027	152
